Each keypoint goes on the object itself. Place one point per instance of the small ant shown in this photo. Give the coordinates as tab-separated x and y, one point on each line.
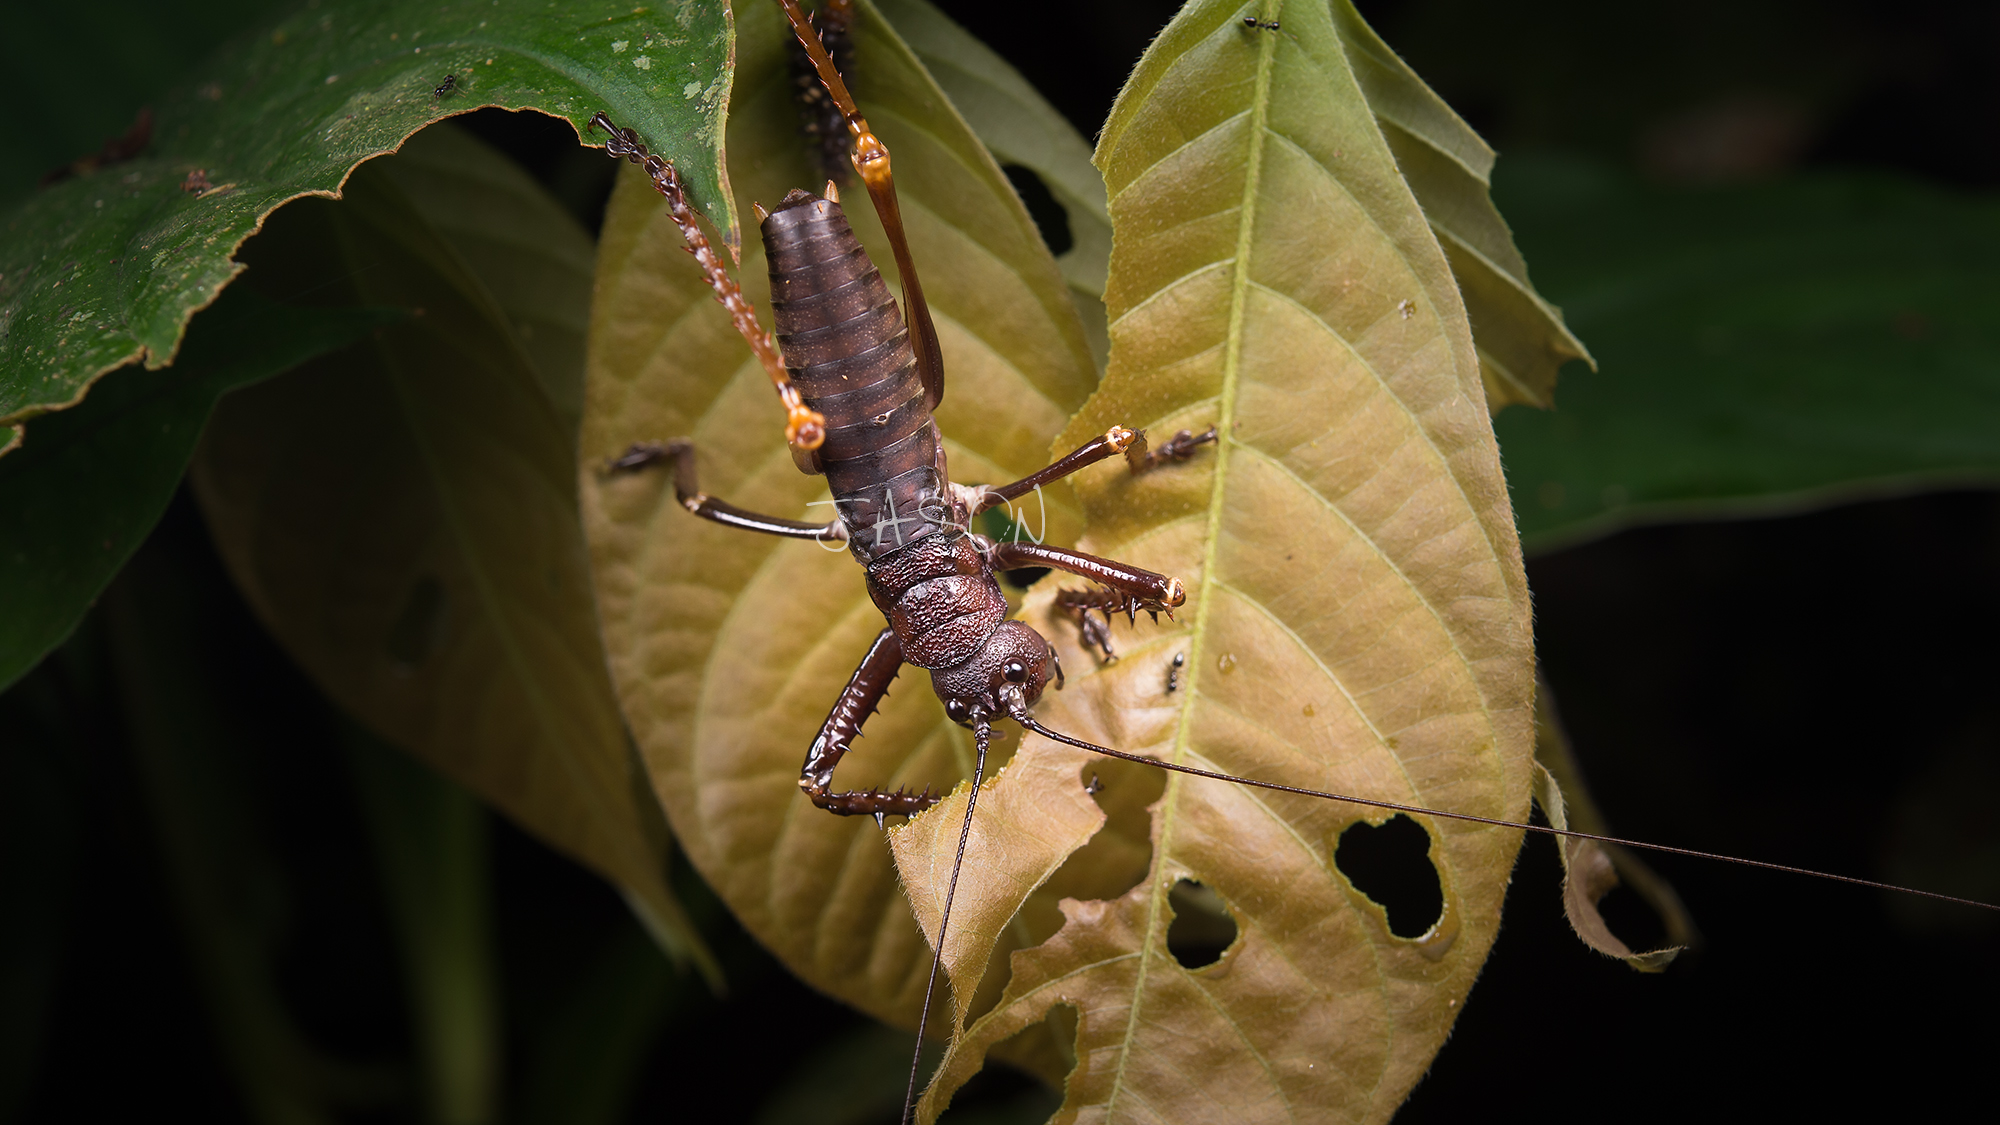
445	87
1255	24
1174	672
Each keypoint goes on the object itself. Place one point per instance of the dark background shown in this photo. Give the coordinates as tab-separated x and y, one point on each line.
1811	690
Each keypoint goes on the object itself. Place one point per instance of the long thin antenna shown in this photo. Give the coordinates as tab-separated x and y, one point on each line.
982	733
1027	721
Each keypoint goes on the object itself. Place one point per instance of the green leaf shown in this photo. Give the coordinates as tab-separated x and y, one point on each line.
79	499
133	50
1766	349
403	516
1521	338
729	647
106	269
1357	619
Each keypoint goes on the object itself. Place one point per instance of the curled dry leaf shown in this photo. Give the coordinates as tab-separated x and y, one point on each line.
1591	869
1357	617
728	648
402	515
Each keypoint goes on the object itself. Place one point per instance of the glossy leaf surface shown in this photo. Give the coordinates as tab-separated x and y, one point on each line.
403	517
1357	617
729	647
106	269
1766	349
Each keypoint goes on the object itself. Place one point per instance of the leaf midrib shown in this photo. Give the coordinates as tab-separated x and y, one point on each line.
1154	937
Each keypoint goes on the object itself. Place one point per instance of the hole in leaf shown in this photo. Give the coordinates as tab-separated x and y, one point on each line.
1049	216
1115	860
1045	1049
1392	866
1202	927
417	626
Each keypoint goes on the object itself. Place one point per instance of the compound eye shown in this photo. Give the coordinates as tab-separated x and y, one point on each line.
1015	672
956	710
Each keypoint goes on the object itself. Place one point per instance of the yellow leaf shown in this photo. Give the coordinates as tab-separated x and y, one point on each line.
1357	621
1024	829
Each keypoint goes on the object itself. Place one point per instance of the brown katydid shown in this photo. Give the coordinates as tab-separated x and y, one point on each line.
891	529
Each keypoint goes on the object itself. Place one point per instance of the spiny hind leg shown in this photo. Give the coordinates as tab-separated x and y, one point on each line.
687	489
1120	588
861	698
1095	632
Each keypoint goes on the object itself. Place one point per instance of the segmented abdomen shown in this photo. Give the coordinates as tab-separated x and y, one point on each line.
849	354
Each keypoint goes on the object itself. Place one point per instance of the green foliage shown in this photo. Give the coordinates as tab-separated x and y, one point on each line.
1765	349
430	840
437	586
106	268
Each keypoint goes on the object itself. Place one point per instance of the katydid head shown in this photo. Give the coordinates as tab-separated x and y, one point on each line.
1006	674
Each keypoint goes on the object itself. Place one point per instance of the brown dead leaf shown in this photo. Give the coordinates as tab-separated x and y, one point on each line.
1591	869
